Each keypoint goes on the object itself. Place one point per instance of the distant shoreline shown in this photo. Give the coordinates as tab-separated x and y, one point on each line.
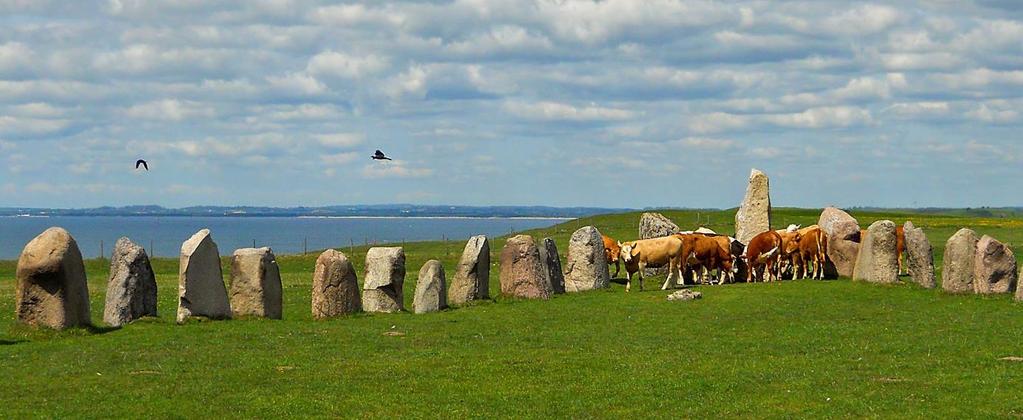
247	216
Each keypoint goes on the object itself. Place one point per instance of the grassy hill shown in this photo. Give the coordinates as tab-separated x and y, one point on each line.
799	348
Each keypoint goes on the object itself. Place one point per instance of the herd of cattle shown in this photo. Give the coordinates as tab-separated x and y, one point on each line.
794	252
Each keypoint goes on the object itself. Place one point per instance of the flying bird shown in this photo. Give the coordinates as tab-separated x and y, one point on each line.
379	156
141	163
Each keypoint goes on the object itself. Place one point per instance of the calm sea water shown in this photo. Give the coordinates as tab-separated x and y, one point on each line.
162	236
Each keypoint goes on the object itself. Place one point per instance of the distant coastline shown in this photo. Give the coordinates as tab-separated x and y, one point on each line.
349	211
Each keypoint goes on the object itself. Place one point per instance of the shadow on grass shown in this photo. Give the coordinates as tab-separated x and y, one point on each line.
6	342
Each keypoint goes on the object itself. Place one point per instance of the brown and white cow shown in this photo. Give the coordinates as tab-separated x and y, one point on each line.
708	252
762	253
611	253
813	249
789	249
653	252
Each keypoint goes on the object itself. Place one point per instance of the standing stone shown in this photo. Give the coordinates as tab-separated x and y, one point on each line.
994	267
919	256
587	265
131	289
430	289
335	287
201	291
843	233
655	225
522	273
472	276
878	260
552	265
256	289
51	287
385	279
754	215
958	265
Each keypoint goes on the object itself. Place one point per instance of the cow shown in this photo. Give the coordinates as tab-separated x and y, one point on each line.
763	252
611	252
653	252
789	248
900	245
813	249
708	252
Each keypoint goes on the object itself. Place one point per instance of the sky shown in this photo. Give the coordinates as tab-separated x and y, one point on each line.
615	103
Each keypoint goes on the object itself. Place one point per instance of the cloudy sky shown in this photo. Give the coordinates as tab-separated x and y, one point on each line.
612	103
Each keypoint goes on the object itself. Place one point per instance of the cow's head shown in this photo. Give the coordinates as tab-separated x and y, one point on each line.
625	251
793	244
613	252
792	228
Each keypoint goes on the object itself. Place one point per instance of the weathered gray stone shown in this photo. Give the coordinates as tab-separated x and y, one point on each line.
51	288
958	263
472	276
201	291
685	295
384	280
522	272
335	287
430	289
552	265
586	264
994	267
843	233
878	260
131	289
919	256
655	225
754	214
256	289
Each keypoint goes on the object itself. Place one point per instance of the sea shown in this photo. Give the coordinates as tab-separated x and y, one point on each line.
162	236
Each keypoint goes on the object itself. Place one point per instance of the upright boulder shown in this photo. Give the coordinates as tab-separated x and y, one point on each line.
131	289
586	265
994	267
754	214
919	256
335	287
430	289
384	280
552	265
843	233
256	289
51	288
522	273
201	291
878	260
958	263
472	276
655	225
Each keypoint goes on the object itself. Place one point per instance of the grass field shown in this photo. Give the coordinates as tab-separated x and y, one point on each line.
795	349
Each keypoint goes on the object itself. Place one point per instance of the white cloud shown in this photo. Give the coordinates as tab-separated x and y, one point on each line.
706	143
339	64
339	158
554	111
822	117
169	110
394	169
340	140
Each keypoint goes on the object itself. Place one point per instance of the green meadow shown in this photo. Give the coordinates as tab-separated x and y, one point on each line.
792	349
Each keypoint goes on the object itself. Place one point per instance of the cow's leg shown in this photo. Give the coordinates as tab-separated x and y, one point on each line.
671	273
628	282
618	268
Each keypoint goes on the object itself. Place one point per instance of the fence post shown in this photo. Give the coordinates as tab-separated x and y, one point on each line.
101	253
151	251
351	246
253	243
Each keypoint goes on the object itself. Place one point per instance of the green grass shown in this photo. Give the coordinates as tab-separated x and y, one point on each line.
799	348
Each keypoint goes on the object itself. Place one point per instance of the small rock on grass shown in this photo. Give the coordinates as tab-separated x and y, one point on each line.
684	295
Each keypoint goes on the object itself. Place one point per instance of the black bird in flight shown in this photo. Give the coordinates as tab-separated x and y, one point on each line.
379	156
141	163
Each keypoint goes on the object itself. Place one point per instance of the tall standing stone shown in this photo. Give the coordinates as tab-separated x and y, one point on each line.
201	291
754	214
656	225
522	273
919	256
994	267
552	265
256	289
335	287
383	290
430	289
958	263
131	289
586	265
878	260
472	276
843	233
51	287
